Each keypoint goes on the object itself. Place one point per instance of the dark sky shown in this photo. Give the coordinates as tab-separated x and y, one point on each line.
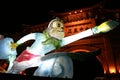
15	13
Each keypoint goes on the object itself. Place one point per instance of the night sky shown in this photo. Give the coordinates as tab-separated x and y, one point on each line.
14	14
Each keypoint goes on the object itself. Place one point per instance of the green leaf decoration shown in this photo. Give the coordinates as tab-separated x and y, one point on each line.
51	40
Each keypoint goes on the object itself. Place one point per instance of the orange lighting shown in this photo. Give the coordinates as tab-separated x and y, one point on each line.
81	11
70	13
112	70
104	71
75	12
119	70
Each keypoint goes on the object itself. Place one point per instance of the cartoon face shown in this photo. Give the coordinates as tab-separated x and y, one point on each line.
56	29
